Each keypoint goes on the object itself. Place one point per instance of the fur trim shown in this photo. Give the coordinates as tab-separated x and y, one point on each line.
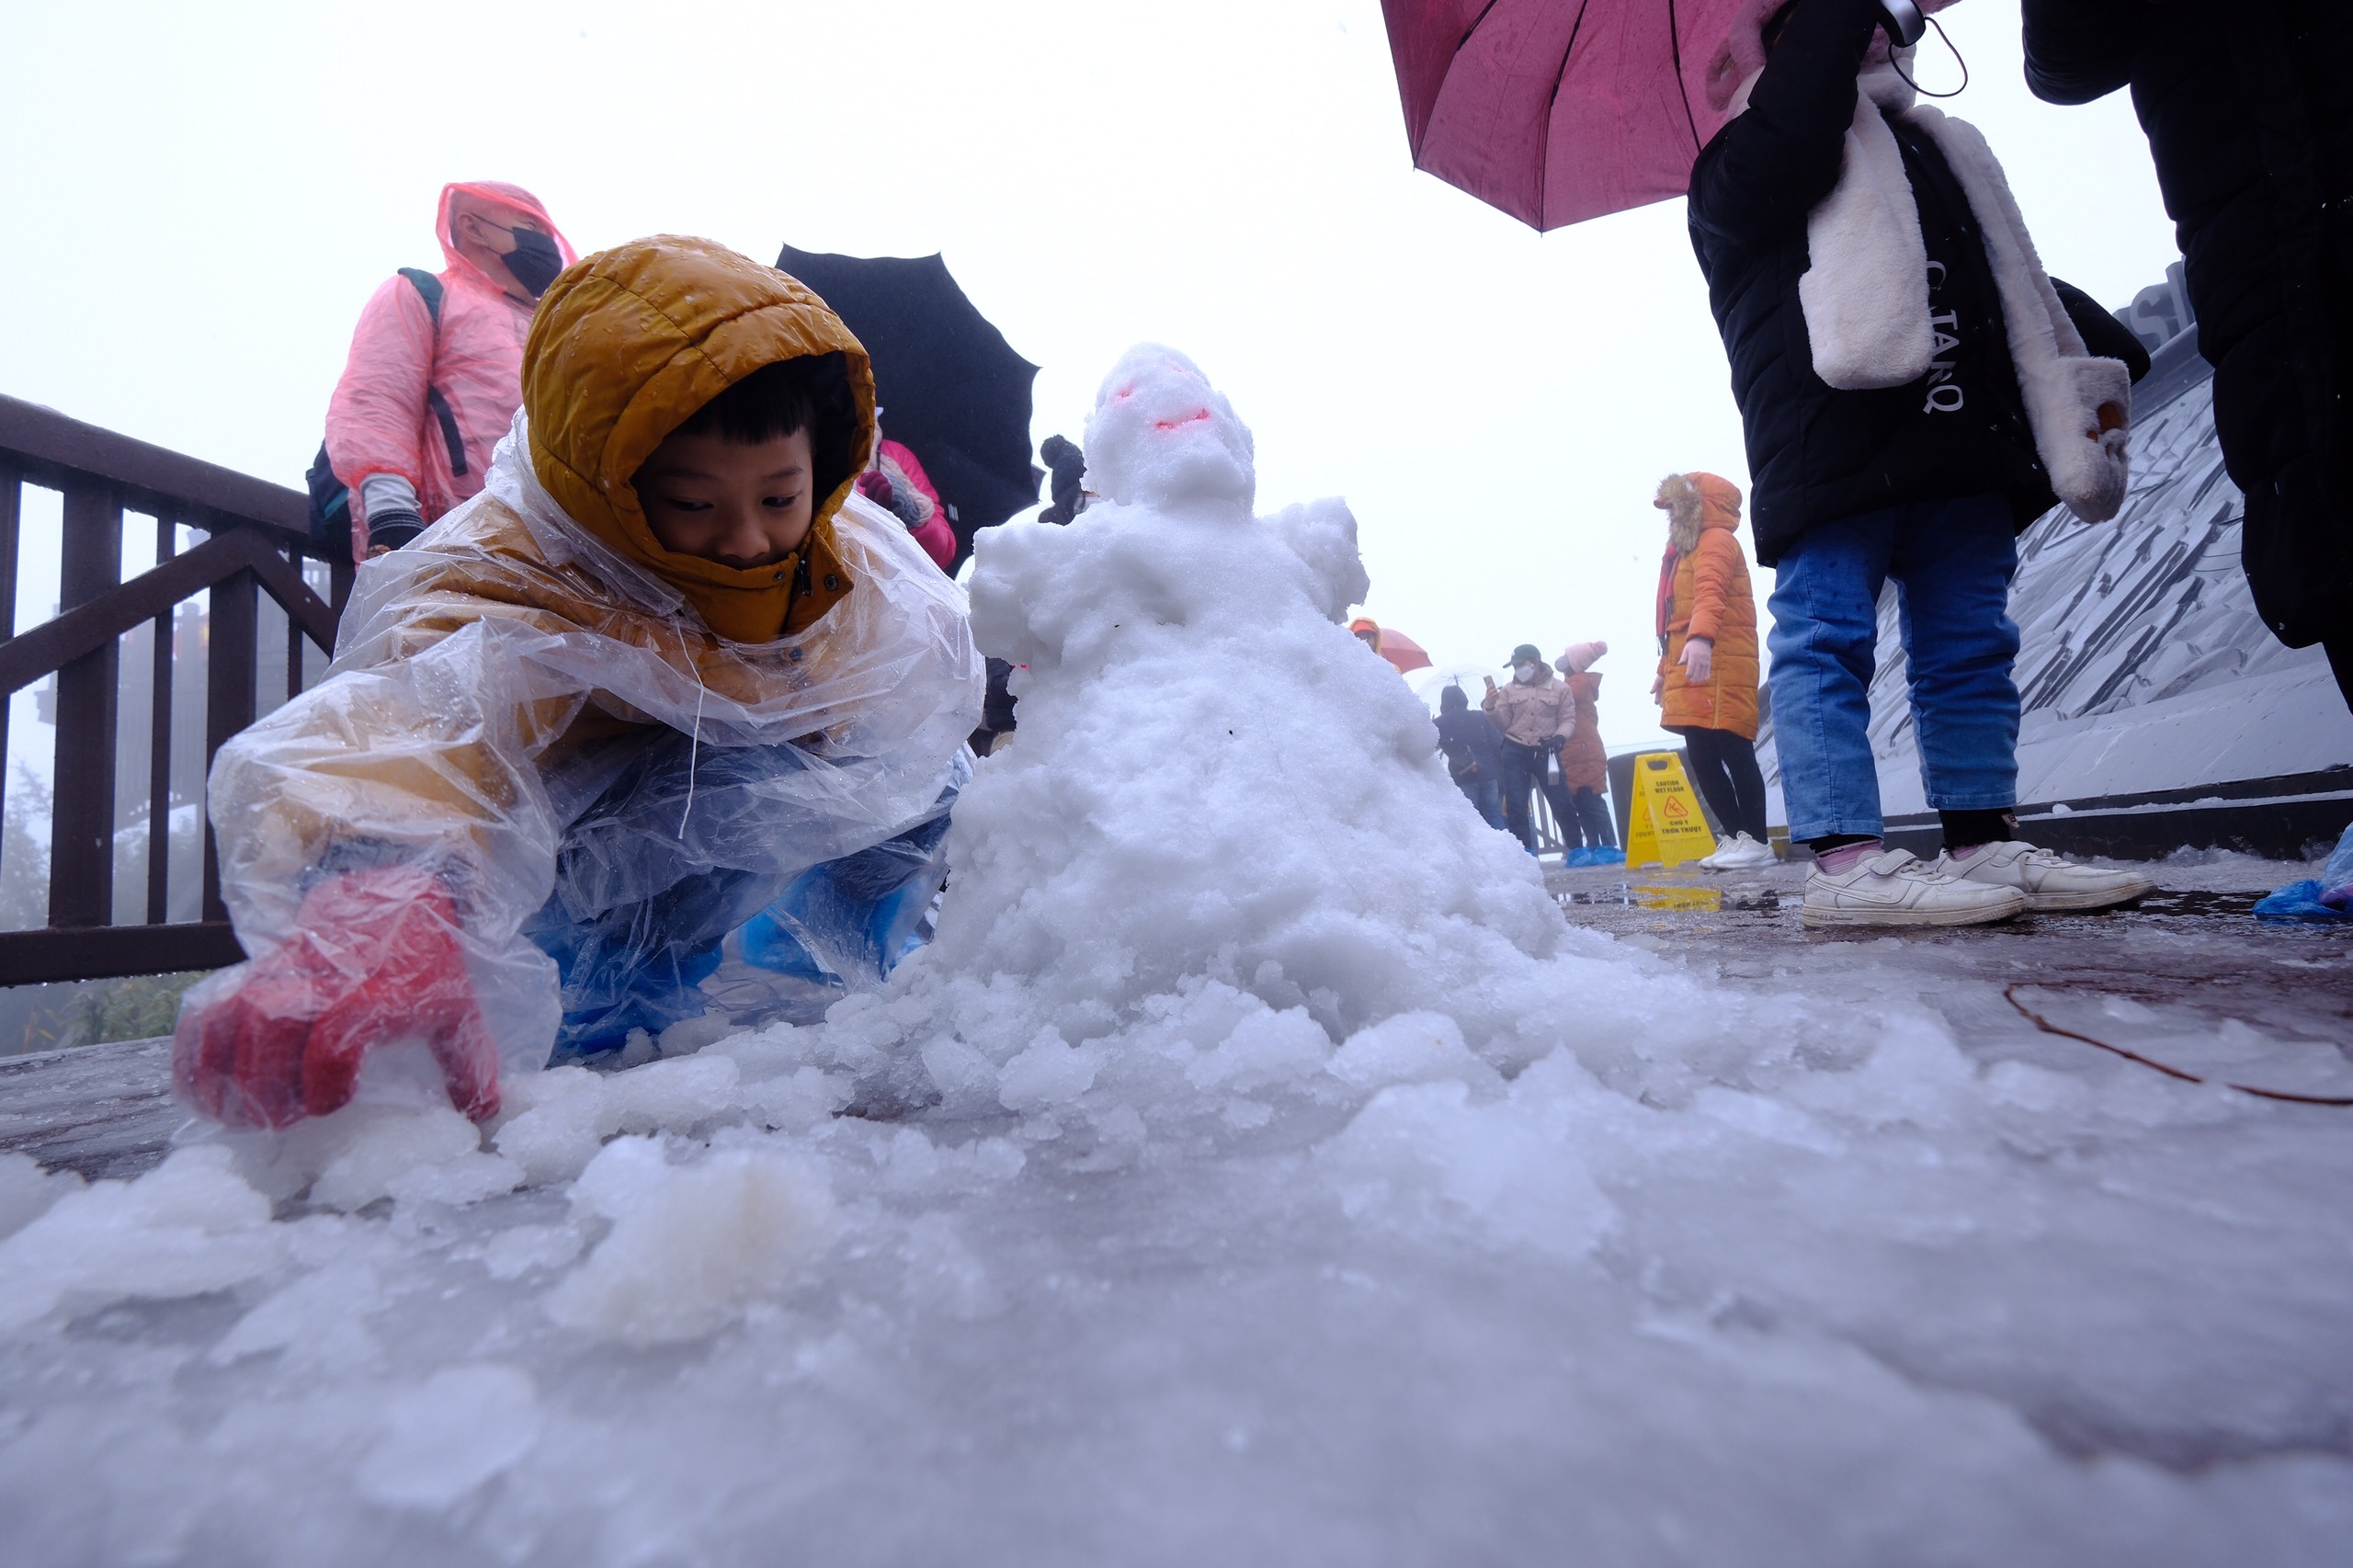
1866	292
1679	493
2064	387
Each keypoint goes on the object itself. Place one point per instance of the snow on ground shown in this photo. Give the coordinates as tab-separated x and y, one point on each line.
1255	1168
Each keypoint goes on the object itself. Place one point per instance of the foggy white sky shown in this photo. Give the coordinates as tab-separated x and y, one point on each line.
199	198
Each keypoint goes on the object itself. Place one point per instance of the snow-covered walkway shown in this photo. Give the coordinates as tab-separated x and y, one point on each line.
1256	1168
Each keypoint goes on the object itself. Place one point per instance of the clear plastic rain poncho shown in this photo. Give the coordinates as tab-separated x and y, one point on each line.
600	782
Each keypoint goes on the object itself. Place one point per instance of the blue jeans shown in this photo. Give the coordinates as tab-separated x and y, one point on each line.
1487	795
1952	562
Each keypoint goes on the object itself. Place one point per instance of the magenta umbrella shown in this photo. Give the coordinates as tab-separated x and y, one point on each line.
1559	111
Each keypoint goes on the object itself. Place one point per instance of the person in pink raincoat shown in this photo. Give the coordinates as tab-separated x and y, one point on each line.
897	481
434	376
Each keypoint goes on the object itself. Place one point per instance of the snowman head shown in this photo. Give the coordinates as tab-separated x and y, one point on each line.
1161	433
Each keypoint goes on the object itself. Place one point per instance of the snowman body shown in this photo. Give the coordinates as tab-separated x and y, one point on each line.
1215	783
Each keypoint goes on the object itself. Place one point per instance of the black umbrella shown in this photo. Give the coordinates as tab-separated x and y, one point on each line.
951	388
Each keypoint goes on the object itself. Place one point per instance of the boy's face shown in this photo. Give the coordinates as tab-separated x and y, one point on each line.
740	504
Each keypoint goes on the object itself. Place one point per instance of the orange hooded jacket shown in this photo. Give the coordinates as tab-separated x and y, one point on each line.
1705	593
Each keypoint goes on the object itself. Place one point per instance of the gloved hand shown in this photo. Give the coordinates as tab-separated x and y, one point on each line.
393	527
374	958
1699	658
875	485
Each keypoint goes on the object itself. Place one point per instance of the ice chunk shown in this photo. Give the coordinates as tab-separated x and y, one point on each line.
186	1227
1410	1048
458	1430
1422	1157
430	1155
691	1245
320	1314
1266	1048
562	1117
1050	1072
27	1190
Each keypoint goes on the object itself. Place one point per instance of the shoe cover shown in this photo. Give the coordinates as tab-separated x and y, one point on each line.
2327	897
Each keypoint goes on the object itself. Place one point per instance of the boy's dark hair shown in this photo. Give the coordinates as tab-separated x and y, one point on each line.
1770	33
810	393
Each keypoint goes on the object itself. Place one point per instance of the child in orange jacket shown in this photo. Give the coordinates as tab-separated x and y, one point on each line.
667	670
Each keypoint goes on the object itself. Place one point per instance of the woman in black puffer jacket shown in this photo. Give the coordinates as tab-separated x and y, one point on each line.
2249	111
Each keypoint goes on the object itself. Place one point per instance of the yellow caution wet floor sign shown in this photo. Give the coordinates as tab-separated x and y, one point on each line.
1665	826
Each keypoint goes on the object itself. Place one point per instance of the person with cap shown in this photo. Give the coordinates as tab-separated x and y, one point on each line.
1537	716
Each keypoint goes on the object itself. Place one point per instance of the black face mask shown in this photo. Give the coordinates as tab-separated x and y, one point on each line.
534	261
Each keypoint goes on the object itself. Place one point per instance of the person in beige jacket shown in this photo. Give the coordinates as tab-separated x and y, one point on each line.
1538	714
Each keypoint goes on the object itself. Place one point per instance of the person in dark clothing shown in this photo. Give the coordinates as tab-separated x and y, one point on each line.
1066	470
1066	466
2248	110
1474	749
1913	391
1724	770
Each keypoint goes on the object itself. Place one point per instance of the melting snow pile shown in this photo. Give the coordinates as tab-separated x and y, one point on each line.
1254	1167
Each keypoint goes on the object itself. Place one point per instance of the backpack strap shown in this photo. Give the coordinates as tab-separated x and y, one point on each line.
429	286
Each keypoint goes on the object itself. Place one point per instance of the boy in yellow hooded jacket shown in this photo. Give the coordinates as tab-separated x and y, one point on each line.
667	668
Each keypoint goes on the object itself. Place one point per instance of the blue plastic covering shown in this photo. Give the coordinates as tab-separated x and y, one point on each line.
2327	897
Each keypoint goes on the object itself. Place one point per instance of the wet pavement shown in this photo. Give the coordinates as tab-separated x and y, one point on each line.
2187	977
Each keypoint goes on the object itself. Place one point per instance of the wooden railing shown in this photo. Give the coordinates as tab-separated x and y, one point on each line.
258	539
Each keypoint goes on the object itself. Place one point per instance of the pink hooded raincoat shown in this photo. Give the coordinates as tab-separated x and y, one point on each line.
382	419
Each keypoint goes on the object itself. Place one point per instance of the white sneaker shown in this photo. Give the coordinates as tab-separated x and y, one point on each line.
1895	887
1741	853
2049	881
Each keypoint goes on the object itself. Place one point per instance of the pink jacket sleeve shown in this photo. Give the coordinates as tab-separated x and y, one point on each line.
936	536
376	418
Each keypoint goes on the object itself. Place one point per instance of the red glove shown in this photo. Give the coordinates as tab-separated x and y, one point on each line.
374	957
875	485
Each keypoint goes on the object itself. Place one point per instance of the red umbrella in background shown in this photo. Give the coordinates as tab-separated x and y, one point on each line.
1394	646
1559	111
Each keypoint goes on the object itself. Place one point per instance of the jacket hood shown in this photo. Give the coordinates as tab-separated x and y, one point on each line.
1697	501
1453	699
500	193
632	342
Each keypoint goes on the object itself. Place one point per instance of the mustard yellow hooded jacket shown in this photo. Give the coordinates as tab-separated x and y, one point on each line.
494	678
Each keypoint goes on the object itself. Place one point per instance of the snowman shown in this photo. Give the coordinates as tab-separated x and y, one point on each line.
1216	785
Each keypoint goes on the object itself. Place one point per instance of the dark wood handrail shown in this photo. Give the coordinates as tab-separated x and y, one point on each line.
53	450
260	532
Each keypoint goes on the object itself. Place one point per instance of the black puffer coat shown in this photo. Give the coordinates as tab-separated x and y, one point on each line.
1815	453
2248	105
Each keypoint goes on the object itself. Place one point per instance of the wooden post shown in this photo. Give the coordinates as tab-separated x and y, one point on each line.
228	702
81	836
159	739
12	500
